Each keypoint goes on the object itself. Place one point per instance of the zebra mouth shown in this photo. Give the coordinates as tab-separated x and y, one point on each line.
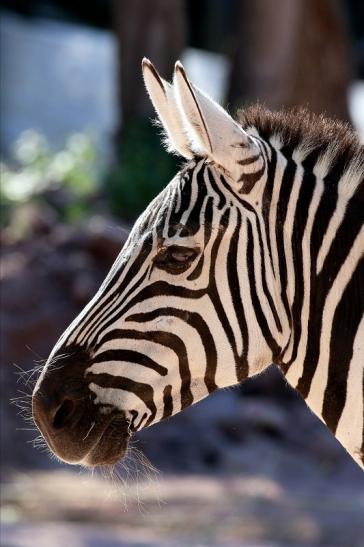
111	445
84	436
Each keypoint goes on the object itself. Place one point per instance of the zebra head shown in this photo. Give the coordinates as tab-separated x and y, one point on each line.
169	324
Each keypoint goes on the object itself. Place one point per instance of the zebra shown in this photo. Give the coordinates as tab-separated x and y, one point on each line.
251	255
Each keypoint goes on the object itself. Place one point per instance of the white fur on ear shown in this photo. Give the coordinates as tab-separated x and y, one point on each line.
212	131
194	124
163	100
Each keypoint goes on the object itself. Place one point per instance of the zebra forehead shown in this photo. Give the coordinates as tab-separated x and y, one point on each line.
173	202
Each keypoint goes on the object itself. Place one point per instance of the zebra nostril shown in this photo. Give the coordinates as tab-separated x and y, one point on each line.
63	413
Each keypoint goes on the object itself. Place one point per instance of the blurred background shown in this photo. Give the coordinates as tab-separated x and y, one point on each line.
80	159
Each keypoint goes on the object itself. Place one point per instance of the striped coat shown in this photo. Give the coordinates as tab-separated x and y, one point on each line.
252	254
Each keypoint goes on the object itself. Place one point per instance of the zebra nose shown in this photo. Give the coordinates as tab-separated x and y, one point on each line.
58	402
56	412
64	412
59	397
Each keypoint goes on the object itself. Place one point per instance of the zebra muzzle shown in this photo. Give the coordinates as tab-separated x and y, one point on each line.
74	427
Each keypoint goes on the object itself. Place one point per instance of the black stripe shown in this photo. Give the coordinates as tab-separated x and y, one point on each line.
282	209
347	317
193	222
186	196
208	216
264	280
300	220
167	402
248	161
344	237
216	189
249	180
267	200
242	366
254	296
142	419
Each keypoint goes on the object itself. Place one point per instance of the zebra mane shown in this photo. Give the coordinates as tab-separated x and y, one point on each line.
303	131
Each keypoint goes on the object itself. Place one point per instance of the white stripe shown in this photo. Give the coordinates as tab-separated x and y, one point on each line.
346	189
132	371
350	427
121	399
315	397
295	371
222	284
259	352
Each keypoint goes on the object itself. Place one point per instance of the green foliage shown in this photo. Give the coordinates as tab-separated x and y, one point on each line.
143	168
67	180
36	170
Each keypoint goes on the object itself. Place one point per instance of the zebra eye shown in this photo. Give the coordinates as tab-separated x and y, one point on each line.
175	259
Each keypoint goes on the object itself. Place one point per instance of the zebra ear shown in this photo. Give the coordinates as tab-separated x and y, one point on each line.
212	131
164	102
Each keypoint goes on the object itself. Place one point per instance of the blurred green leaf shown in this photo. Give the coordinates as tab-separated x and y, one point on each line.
142	169
35	169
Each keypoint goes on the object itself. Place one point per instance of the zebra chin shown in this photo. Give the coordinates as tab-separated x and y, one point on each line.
76	429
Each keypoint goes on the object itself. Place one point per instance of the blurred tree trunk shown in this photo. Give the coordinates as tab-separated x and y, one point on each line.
292	53
154	29
151	28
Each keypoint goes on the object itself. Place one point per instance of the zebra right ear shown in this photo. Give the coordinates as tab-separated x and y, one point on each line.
163	100
214	134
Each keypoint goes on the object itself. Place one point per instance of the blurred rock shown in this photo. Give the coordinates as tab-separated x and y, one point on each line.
29	221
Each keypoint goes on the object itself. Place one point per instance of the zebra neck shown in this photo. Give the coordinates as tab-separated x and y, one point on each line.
319	242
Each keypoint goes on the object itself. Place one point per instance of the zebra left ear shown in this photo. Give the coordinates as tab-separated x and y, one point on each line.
163	100
211	130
